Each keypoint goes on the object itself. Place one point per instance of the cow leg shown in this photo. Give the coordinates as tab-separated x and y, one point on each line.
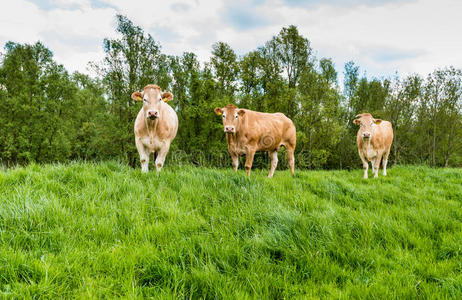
235	159
160	159
365	165
144	156
291	159
376	165
385	161
249	161
274	162
373	165
144	160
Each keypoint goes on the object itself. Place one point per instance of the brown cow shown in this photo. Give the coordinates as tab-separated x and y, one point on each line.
374	140
249	131
155	126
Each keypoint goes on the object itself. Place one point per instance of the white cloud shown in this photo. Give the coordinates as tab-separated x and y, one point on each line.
70	3
428	29
405	36
74	35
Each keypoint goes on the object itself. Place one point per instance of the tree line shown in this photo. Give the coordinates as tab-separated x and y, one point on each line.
49	115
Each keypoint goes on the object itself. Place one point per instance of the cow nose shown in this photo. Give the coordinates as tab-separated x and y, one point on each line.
366	135
229	128
153	114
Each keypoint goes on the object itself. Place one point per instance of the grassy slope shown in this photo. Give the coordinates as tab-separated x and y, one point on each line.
94	230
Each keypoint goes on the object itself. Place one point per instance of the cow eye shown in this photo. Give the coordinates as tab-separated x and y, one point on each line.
235	116
224	116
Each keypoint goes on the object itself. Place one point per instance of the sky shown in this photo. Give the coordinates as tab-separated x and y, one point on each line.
383	37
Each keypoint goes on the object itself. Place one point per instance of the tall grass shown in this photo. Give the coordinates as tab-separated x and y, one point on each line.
85	230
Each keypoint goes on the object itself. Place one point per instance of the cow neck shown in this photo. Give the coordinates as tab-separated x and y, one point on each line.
151	132
232	137
366	144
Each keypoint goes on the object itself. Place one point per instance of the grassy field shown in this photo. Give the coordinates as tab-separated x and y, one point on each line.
87	230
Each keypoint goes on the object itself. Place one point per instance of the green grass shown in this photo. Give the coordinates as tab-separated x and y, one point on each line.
85	230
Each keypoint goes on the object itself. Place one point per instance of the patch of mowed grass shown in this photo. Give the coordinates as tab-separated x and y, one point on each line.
104	230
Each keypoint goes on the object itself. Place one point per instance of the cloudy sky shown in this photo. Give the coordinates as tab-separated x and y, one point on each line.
381	36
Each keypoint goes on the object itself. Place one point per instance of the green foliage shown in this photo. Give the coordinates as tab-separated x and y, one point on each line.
48	115
42	108
104	230
225	68
131	62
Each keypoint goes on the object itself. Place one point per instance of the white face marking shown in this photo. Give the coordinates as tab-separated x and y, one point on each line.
146	98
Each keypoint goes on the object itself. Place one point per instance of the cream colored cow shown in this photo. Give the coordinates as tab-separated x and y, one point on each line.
155	126
374	141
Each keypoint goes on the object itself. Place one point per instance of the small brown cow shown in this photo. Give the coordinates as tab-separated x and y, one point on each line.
155	126
374	140
249	131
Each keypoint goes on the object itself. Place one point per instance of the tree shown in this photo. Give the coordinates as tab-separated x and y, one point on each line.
400	110
439	115
49	115
250	75
225	68
319	122
41	109
351	79
131	62
293	51
37	91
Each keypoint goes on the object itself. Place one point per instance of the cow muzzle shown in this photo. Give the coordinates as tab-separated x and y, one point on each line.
230	129
366	135
152	114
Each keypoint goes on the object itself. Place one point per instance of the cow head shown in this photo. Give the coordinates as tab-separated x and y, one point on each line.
366	123
152	98
230	115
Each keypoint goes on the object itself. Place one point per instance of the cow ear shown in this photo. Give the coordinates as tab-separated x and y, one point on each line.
356	121
167	96
377	121
218	111
241	112
137	96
